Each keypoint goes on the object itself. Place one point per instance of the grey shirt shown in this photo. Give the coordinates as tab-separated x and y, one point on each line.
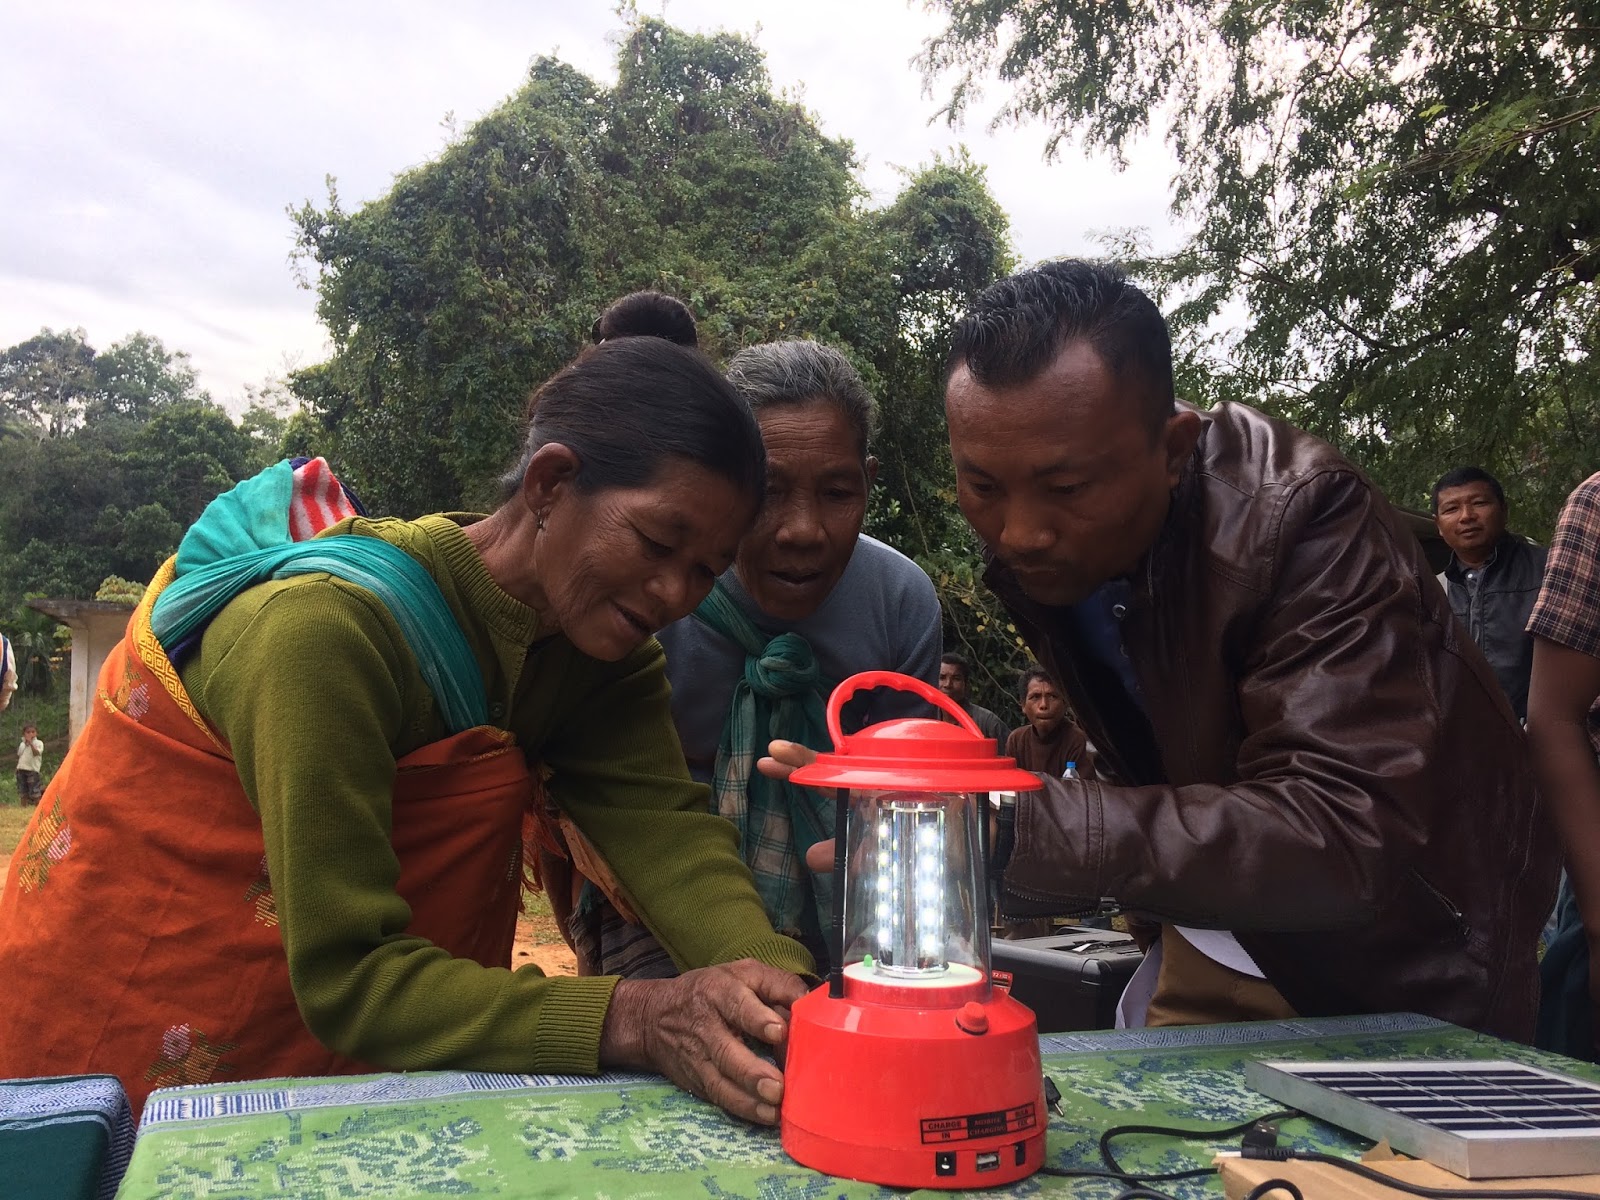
882	615
991	724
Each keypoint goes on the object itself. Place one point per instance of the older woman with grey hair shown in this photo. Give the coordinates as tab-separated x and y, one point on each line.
809	601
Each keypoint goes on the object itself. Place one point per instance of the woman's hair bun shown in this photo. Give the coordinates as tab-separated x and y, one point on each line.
647	314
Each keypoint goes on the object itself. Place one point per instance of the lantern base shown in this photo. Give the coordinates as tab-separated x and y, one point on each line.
914	1097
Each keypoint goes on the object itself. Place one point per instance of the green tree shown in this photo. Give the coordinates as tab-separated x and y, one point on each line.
45	384
139	376
124	451
480	273
1402	199
946	239
55	382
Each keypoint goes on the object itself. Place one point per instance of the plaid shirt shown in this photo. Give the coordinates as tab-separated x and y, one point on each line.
1568	609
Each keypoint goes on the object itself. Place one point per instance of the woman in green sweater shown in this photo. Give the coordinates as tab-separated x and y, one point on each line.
292	827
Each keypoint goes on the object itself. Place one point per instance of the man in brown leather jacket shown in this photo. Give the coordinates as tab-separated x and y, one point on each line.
1324	795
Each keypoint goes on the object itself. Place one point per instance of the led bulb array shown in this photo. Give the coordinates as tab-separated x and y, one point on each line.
910	889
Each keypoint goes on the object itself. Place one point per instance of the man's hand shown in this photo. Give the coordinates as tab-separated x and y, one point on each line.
784	759
692	1029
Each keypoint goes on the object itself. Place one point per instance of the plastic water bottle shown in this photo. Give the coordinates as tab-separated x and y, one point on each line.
1071	772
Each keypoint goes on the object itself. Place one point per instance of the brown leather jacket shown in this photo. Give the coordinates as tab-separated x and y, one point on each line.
1328	768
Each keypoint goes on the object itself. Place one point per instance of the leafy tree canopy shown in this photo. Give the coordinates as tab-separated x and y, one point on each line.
480	274
1403	199
55	382
110	457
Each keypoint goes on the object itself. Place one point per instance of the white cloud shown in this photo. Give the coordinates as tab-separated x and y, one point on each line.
154	148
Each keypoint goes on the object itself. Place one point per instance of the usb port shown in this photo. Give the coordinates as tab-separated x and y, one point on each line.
989	1160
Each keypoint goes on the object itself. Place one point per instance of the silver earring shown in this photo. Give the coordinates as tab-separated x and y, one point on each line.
540	518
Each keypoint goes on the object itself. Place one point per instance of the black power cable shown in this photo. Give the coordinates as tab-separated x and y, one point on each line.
1262	1190
1260	1142
1188	1135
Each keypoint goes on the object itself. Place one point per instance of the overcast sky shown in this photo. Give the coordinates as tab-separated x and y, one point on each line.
151	149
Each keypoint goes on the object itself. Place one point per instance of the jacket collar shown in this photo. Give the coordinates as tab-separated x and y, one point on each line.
1502	552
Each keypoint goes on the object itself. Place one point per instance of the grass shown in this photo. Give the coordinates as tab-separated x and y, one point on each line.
13	820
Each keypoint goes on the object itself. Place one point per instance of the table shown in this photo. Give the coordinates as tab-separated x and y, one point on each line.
385	1137
66	1138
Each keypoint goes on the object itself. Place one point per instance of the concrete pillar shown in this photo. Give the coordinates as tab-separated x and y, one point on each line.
97	626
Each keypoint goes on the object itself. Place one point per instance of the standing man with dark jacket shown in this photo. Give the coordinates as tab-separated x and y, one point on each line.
1325	798
1493	576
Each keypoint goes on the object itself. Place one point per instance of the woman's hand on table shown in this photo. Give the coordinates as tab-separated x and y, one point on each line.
692	1029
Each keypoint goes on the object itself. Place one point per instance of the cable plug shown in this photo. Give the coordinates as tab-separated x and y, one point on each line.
1052	1096
1261	1141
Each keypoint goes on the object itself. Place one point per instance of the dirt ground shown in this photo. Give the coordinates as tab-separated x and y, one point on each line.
538	940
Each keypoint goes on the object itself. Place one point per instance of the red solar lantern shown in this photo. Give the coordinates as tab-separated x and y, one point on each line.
910	1067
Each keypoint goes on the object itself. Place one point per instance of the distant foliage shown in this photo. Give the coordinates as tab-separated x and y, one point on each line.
117	590
106	458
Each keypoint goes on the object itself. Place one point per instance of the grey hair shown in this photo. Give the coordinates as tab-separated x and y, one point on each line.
798	372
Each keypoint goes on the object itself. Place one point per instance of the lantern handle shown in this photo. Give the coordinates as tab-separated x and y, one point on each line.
866	680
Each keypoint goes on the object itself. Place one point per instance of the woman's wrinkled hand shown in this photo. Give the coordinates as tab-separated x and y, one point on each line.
692	1029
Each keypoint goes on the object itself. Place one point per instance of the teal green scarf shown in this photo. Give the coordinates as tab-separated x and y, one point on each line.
779	695
242	539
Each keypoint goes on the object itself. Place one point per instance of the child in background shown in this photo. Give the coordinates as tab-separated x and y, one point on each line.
30	758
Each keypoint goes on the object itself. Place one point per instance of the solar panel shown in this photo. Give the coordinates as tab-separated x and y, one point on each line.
1480	1120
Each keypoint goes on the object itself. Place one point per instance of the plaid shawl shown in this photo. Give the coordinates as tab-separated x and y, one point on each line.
778	696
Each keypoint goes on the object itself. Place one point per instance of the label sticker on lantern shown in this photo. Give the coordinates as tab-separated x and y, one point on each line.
936	1130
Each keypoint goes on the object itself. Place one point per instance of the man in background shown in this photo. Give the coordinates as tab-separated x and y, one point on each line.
1493	576
1051	739
955	676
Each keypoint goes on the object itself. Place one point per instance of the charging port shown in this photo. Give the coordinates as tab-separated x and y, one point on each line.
988	1160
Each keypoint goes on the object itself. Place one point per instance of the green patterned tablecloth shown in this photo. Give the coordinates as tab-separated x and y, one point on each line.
388	1137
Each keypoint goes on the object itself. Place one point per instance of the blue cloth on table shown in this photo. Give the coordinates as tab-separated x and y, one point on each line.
65	1138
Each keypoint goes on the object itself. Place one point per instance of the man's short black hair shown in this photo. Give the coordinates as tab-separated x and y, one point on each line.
957	660
1016	327
1025	680
1462	476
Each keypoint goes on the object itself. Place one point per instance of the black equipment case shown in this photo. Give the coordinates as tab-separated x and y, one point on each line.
1073	978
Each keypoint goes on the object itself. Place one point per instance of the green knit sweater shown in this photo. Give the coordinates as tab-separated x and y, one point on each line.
317	694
